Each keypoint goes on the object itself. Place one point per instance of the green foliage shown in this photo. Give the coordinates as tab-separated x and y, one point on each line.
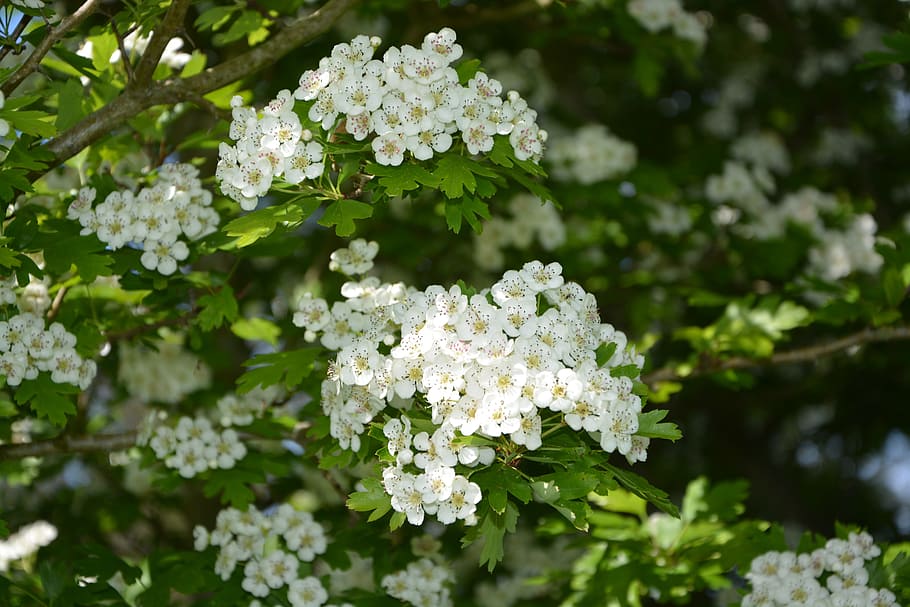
217	309
287	368
261	223
47	399
651	426
372	499
342	213
694	284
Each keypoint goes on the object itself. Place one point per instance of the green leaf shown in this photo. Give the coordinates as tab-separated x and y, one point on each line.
271	369
498	499
47	399
516	484
467	70
535	187
218	308
650	426
103	46
4	530
631	370
403	178
455	174
342	214
256	329
894	287
69	104
262	222
13	181
32	122
468	208
493	529
372	499
648	70
195	65
397	520
233	485
247	23
84	252
215	17
8	257
643	489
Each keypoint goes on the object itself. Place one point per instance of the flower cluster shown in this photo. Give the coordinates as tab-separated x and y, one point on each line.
154	219
28	348
837	252
422	582
763	149
270	548
242	409
842	252
25	541
530	220
164	374
834	576
840	147
410	102
272	145
591	154
502	362
194	446
668	218
743	186
33	298
736	93
657	15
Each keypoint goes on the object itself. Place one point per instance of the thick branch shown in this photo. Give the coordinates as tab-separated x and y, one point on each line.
136	100
807	354
70	444
53	36
172	22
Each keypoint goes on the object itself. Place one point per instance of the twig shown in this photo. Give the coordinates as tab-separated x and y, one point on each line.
55	305
141	329
53	36
172	22
807	354
138	99
124	54
16	33
69	444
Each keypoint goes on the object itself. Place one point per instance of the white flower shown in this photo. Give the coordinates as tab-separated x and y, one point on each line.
389	149
356	259
443	43
307	592
461	504
255	579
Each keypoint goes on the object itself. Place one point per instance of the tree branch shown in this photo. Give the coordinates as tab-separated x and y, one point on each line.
53	36
69	444
807	354
172	22
138	99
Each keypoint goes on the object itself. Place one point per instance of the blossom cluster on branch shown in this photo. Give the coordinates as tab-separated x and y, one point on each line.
411	102
511	361
155	219
833	576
